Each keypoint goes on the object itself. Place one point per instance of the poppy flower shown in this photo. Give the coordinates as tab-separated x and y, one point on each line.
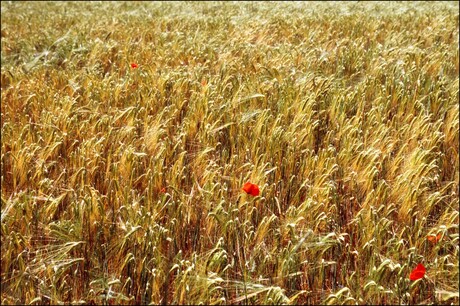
163	190
418	272
433	238
251	189
134	65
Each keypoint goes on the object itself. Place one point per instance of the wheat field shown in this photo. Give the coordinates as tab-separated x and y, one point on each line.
129	130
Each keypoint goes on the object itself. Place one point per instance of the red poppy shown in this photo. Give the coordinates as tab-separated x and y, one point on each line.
433	238
251	189
418	272
134	65
163	190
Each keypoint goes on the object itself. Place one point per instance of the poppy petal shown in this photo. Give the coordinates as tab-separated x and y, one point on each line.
433	238
247	187
418	272
251	189
255	190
